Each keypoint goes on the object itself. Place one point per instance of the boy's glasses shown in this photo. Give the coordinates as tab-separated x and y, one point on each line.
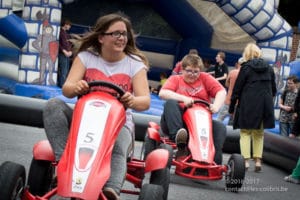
117	34
192	72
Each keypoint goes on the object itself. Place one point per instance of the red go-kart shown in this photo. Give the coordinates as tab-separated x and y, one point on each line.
199	164
85	164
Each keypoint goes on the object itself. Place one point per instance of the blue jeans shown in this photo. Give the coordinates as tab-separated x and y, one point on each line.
171	122
63	69
286	128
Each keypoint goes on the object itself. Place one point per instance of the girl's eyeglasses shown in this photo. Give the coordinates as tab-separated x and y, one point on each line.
117	34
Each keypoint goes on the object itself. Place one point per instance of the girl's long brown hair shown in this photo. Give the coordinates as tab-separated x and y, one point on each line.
90	42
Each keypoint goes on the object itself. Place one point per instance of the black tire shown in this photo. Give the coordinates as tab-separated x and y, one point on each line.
161	177
169	148
12	180
236	173
151	192
148	146
40	177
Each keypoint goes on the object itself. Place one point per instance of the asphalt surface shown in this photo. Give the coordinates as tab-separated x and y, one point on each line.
16	144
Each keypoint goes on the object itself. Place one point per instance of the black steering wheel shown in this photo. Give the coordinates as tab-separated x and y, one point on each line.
109	85
201	102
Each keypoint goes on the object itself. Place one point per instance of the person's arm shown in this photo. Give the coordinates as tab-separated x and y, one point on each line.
218	102
141	99
75	85
169	94
222	77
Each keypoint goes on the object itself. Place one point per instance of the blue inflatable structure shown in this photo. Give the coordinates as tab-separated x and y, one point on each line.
208	26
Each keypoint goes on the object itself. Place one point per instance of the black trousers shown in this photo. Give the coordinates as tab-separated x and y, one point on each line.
171	121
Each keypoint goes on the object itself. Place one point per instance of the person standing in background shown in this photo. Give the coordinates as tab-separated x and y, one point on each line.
178	67
230	81
221	68
65	52
286	105
252	102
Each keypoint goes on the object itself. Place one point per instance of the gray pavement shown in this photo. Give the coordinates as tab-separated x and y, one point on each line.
16	144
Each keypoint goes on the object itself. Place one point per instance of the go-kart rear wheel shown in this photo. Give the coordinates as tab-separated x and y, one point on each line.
40	177
161	177
150	192
236	173
12	180
169	148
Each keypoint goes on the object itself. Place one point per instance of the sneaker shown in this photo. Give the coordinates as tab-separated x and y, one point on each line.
181	138
292	179
111	194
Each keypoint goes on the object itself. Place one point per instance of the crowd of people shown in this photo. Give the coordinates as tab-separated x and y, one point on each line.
249	103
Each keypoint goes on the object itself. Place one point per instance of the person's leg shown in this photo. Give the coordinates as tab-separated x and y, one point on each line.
245	141
257	142
296	170
63	69
291	126
257	146
171	119
284	127
295	176
296	126
219	135
57	116
120	153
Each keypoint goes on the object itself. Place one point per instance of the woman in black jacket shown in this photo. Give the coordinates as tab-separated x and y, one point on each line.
252	96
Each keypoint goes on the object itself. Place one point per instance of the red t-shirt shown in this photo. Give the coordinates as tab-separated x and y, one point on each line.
205	87
177	69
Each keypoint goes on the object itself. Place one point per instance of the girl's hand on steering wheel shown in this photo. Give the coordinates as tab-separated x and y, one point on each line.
128	100
81	87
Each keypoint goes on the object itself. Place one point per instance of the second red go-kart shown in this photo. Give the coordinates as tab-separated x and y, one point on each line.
199	164
84	166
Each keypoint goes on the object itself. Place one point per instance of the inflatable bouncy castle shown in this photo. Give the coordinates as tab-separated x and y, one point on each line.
29	32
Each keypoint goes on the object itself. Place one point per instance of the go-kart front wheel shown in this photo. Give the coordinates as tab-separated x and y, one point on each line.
151	191
40	177
12	180
236	173
161	177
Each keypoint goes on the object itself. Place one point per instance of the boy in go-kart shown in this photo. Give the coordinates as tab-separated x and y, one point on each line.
192	84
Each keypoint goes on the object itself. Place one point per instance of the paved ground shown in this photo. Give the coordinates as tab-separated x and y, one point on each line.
16	144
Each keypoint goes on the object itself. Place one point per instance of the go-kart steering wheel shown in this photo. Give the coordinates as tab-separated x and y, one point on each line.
202	102
110	85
